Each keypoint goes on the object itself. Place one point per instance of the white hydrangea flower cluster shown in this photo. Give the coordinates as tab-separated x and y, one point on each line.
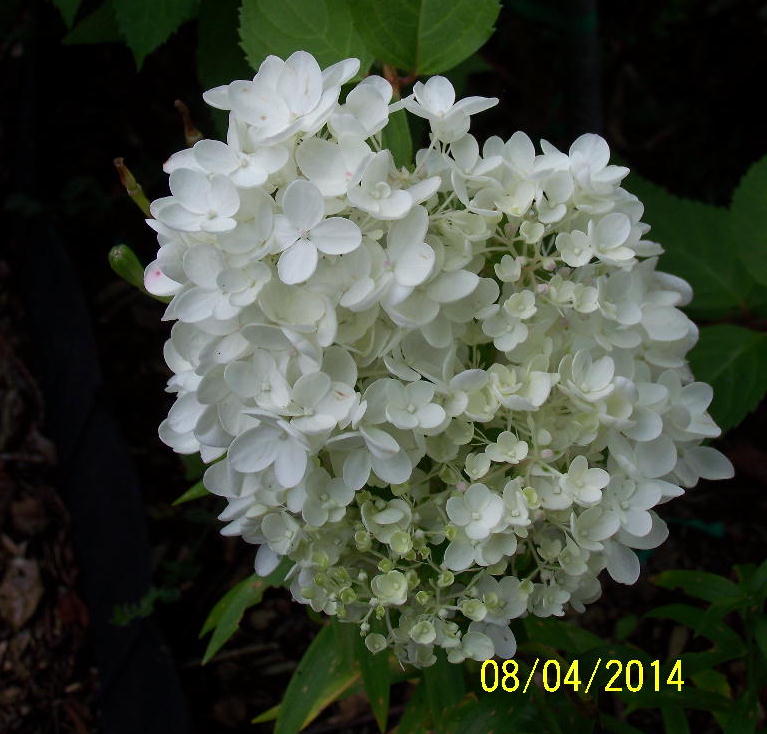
451	393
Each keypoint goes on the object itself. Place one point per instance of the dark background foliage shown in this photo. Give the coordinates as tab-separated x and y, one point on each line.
675	86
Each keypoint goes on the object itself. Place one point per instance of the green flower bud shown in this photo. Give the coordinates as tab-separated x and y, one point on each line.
450	532
348	595
445	579
385	565
448	475
423	598
423	633
412	578
401	542
125	263
474	609
375	642
531	497
320	559
498	569
390	588
399	489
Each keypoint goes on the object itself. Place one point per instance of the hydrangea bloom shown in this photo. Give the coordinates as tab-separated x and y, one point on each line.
449	394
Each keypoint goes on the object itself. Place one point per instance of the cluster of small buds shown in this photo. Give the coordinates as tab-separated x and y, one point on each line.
446	395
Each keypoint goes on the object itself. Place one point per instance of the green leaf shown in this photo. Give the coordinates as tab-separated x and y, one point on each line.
712	680
674	720
459	75
561	635
425	36
742	718
493	713
749	219
698	246
733	360
326	670
324	28
417	714
68	10
444	686
195	492
611	724
760	634
376	680
396	137
146	24
626	626
268	715
220	58
699	584
226	615
98	27
194	466
756	580
727	643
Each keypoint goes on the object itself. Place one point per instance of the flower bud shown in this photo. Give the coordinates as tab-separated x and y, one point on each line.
423	633
362	541
385	565
401	542
423	598
375	642
445	579
474	609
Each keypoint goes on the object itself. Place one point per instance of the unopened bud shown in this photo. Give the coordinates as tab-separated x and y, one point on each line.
445	579
132	186
125	263
191	133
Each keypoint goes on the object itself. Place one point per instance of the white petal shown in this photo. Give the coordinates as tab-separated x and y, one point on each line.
450	287
622	563
323	162
408	231
224	199
298	262
289	463
656	458
394	469
192	189
215	156
254	449
665	323
202	264
709	463
340	72
356	471
414	265
459	555
336	236
266	560
303	205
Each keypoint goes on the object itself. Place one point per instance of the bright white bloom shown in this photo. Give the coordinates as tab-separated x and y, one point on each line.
301	232
409	383
435	101
199	203
507	449
410	406
477	511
